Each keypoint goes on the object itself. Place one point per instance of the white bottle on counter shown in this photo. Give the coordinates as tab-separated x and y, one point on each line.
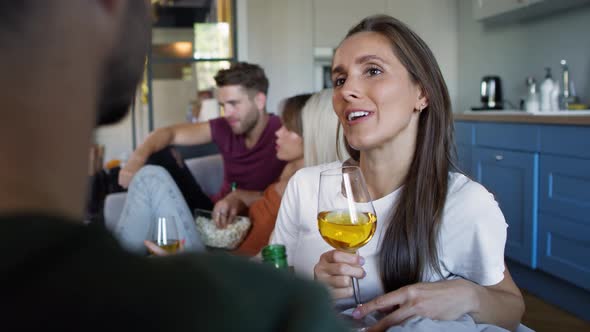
532	104
555	98
547	88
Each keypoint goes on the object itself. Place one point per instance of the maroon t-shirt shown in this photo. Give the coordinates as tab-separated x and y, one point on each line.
251	169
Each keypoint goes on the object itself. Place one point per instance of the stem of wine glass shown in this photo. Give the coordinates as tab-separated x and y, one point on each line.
357	291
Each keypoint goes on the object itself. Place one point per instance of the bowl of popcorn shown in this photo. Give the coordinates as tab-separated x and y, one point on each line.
229	237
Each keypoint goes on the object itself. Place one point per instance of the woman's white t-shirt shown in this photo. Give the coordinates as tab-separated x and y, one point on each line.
471	239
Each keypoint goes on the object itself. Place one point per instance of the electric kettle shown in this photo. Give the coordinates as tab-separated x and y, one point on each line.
491	93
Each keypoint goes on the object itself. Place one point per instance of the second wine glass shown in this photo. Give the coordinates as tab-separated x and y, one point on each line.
165	234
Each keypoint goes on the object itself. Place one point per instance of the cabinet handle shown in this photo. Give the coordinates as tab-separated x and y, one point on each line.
499	157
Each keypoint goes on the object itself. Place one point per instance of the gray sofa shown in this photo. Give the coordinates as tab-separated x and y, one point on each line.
207	170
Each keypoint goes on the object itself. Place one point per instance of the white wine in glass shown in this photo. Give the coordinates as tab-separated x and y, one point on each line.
345	233
346	216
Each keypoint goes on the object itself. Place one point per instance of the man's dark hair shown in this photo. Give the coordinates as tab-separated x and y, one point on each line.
249	76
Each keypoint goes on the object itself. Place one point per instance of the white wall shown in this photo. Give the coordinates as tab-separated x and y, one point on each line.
333	18
117	138
279	38
281	35
436	21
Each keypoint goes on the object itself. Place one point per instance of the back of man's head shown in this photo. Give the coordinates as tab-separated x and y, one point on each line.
28	27
15	17
249	76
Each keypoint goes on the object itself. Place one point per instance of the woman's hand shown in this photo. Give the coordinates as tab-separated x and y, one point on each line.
335	269
226	210
443	300
157	251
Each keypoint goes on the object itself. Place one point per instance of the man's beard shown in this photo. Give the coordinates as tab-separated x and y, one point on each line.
124	68
248	122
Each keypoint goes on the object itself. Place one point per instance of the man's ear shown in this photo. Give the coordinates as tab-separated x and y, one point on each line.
260	100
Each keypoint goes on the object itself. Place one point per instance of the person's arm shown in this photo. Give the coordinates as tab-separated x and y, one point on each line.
501	304
248	197
181	134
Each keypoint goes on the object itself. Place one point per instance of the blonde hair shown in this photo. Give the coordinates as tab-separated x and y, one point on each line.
321	139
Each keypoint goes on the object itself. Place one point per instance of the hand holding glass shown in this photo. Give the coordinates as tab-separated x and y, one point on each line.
346	217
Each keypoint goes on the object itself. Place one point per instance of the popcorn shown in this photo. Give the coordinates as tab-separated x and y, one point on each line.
229	237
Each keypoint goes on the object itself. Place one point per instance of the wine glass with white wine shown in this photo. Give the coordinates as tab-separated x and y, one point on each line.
165	234
346	216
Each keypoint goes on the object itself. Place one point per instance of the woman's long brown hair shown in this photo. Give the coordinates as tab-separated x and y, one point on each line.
409	248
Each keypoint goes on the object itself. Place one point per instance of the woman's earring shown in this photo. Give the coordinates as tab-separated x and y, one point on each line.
422	107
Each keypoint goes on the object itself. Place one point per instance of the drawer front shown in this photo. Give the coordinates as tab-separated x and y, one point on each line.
565	187
512	178
564	249
508	136
464	132
571	141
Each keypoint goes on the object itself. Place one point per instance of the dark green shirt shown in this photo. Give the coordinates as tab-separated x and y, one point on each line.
60	275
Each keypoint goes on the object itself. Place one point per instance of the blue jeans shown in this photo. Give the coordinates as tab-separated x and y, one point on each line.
153	193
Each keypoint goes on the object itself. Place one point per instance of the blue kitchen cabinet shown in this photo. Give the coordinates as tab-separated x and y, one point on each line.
564	219
511	177
540	176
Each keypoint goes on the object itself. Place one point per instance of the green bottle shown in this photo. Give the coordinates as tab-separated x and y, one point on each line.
275	254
